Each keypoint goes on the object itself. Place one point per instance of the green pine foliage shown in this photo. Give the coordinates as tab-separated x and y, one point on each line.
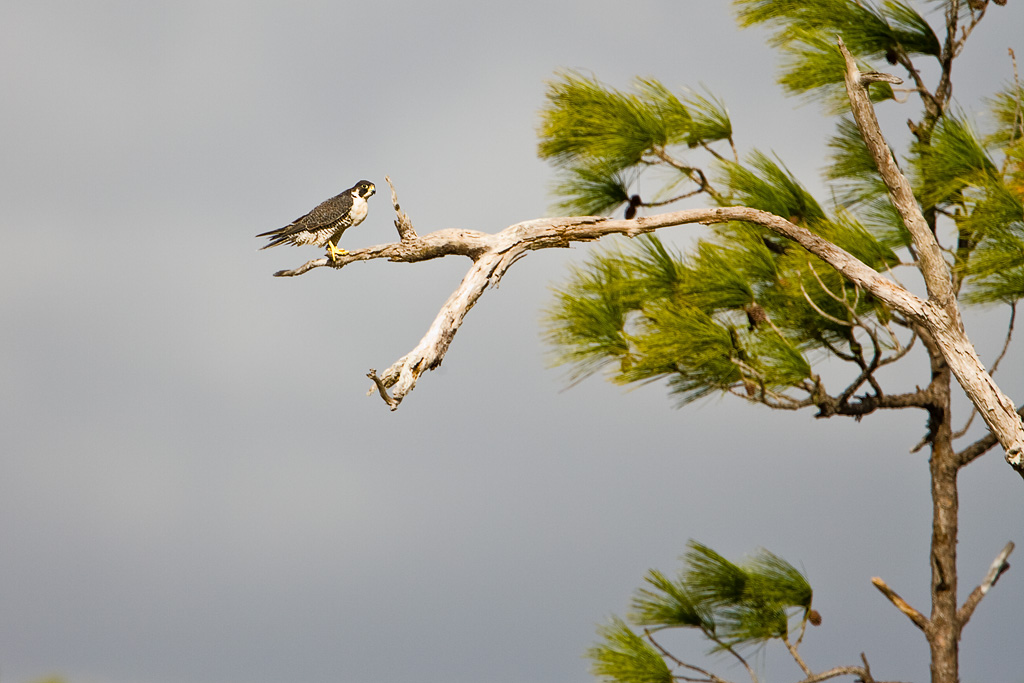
625	657
731	605
588	122
766	184
805	33
995	221
669	604
1008	111
995	269
953	164
744	311
591	189
595	307
852	171
600	138
739	313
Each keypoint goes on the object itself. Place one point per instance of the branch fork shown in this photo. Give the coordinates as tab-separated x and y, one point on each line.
1000	565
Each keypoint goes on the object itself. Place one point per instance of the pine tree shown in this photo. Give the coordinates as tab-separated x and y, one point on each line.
746	313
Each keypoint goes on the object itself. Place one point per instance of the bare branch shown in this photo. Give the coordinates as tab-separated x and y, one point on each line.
435	245
900	350
929	101
731	650
402	222
381	389
820	312
429	353
839	671
692	172
941	312
863	673
949	48
933	266
1009	338
799	660
919	620
965	32
999	566
981	446
708	676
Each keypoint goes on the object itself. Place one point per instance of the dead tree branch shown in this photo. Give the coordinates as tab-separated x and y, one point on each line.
981	446
902	605
941	312
998	568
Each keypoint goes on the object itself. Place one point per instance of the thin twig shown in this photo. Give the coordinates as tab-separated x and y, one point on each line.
671	200
701	179
680	663
710	150
821	312
1009	337
966	30
919	620
960	433
981	446
900	352
796	656
824	288
402	221
1018	113
729	648
998	567
839	671
927	98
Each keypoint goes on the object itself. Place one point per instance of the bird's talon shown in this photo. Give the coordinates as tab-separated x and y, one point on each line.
334	252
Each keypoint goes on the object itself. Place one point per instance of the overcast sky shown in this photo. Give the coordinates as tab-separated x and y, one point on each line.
194	486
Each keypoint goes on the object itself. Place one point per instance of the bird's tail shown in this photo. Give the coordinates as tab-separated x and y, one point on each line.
275	236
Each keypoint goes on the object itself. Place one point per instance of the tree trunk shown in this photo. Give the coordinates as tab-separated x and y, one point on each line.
943	629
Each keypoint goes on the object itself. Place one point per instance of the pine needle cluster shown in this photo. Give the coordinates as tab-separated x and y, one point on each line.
733	606
805	34
599	137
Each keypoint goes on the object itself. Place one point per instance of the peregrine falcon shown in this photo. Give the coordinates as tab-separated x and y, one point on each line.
324	225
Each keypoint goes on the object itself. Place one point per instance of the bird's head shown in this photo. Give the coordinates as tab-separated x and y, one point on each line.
364	188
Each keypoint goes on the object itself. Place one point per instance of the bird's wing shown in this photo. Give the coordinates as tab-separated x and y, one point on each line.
325	214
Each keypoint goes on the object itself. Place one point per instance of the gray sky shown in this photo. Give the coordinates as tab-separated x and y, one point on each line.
195	487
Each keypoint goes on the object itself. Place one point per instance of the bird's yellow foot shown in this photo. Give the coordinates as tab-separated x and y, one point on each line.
334	252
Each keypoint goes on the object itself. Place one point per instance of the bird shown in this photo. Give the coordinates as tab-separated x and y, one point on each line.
324	225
